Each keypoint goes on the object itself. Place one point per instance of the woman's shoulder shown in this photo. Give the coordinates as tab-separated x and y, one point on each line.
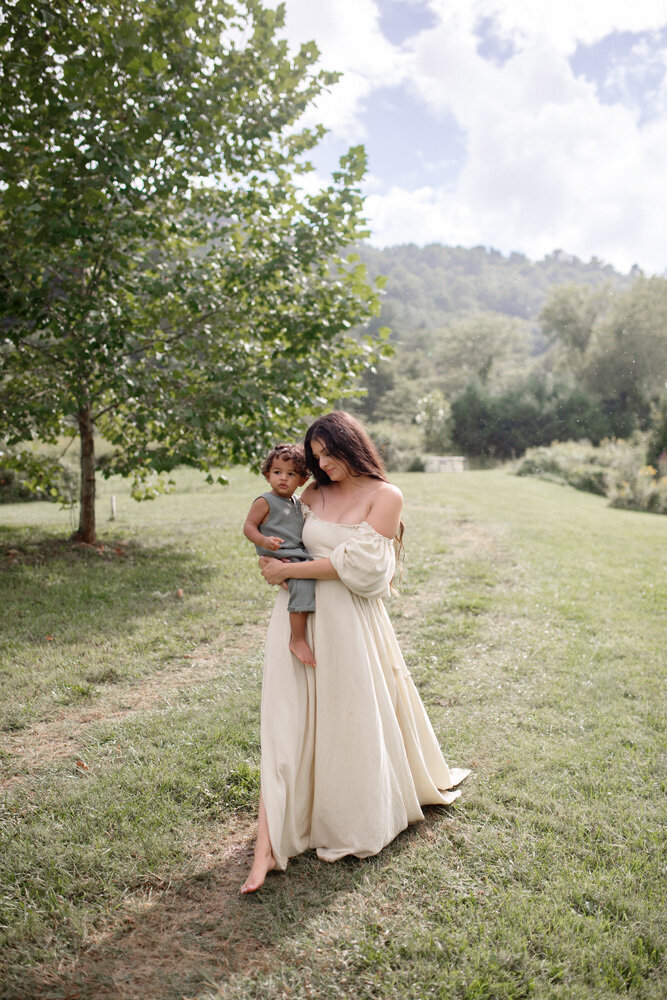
385	510
308	495
389	495
394	490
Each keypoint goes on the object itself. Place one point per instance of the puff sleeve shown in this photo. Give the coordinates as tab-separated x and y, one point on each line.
365	562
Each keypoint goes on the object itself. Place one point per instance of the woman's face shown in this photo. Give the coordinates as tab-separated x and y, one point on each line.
335	468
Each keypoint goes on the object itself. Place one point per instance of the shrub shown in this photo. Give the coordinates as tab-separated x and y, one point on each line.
397	443
540	462
13	489
25	476
533	412
615	469
643	491
589	478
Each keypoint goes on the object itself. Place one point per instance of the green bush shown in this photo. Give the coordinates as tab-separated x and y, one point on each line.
534	411
13	489
616	469
643	491
540	462
589	478
24	478
397	443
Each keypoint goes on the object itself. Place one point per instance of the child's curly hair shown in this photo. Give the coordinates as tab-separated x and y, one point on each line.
291	452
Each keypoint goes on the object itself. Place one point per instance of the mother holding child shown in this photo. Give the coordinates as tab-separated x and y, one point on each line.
349	756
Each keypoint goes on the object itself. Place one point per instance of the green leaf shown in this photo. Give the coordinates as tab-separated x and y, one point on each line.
159	62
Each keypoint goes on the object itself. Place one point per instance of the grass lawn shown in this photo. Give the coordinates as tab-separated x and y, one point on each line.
532	618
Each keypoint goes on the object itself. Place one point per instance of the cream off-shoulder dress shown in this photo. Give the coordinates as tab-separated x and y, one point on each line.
349	755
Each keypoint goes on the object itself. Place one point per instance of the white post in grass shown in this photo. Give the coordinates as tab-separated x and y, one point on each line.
113	509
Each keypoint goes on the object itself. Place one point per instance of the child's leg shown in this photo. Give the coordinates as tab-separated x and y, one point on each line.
298	642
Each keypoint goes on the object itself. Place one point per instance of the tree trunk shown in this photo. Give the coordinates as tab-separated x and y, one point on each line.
86	532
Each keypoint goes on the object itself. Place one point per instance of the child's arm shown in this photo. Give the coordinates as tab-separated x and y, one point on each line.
257	514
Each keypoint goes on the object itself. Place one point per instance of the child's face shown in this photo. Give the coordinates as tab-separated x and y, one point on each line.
282	477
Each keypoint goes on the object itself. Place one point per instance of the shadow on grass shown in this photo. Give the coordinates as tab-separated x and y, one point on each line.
77	615
198	932
99	588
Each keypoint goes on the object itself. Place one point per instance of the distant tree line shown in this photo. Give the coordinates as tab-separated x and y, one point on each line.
496	354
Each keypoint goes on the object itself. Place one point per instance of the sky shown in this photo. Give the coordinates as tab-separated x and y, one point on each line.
522	125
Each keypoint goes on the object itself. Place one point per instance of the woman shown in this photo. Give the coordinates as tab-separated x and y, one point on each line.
348	753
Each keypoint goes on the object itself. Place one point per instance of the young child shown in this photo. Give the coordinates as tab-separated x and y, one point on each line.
274	524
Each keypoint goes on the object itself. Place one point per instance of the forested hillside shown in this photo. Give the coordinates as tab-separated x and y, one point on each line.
428	286
495	354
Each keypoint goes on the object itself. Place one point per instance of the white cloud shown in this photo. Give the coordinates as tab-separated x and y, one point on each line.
564	23
639	79
348	35
548	162
590	194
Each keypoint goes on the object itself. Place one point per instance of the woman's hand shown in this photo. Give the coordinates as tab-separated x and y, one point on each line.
274	571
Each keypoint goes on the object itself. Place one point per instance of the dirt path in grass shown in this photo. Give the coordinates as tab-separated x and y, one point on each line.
171	939
64	737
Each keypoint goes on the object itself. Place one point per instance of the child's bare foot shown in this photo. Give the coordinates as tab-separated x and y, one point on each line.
302	651
260	869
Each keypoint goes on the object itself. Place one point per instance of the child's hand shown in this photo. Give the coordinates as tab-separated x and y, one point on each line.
272	542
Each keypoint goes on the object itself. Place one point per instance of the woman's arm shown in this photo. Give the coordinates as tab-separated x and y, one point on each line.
276	571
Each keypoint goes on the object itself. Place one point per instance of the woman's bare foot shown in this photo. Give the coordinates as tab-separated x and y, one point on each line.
263	861
302	651
260	869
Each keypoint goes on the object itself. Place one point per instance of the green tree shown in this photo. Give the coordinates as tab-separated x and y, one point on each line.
614	345
656	452
533	411
627	359
164	280
433	417
392	388
485	346
569	317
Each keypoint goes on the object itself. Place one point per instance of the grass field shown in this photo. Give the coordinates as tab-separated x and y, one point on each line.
532	619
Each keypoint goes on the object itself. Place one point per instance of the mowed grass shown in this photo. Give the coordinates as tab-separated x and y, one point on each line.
532	619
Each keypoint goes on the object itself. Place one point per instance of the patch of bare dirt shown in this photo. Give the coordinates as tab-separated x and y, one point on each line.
170	939
45	550
471	539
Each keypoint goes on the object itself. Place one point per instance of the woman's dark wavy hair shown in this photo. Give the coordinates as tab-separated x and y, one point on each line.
347	439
